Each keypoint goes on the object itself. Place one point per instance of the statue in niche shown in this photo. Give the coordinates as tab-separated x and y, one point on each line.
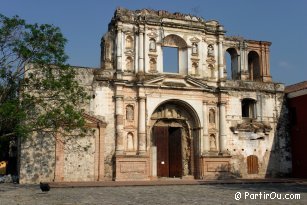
212	142
211	116
129	112
210	51
152	45
194	48
130	146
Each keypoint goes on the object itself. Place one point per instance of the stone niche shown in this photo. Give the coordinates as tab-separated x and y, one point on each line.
132	168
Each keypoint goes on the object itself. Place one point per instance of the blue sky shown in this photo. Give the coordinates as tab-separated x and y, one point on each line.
282	22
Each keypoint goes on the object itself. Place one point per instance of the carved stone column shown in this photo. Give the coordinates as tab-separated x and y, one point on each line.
142	126
222	129
220	59
206	146
119	48
141	50
119	124
136	65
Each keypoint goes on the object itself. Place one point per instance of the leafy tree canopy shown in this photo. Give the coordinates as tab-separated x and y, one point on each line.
38	89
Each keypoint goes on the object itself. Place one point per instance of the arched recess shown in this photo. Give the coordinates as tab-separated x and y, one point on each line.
176	42
254	66
174	141
232	64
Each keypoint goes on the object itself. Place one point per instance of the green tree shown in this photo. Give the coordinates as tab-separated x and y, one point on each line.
38	89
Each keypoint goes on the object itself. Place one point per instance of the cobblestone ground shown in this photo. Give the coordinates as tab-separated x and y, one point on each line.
179	194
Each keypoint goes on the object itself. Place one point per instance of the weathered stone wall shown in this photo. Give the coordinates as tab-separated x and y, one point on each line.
79	155
37	159
103	105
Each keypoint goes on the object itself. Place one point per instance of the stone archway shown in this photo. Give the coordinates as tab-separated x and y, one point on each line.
175	140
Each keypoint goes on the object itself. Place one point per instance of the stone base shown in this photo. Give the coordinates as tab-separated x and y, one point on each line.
215	167
132	168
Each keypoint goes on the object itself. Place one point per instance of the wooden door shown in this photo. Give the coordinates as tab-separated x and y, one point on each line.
252	164
161	136
175	154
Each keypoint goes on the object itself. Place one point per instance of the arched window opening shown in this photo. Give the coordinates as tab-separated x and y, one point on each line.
232	64
248	108
175	55
252	164
170	60
129	42
254	66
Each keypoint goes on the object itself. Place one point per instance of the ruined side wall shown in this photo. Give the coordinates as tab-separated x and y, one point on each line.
37	159
270	147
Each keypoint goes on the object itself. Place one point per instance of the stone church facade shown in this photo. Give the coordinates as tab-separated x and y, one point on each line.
198	122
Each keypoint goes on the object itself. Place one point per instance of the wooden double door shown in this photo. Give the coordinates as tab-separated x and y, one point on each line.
169	151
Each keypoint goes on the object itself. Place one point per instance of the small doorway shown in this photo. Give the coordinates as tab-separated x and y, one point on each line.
169	151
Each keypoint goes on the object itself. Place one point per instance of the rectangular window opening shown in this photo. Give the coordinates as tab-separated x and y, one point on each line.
170	60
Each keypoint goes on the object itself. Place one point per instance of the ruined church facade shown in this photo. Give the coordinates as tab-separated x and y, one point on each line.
200	121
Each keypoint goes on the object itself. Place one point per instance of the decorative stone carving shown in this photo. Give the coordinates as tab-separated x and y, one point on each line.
251	126
168	112
210	50
194	49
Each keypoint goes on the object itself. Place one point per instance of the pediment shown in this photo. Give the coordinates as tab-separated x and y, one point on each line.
180	82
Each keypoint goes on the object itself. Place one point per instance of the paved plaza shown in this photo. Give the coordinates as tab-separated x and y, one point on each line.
173	194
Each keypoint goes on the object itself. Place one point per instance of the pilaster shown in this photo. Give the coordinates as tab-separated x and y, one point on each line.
142	126
222	127
206	146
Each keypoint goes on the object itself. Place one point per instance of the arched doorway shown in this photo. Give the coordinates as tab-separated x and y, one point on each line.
175	140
